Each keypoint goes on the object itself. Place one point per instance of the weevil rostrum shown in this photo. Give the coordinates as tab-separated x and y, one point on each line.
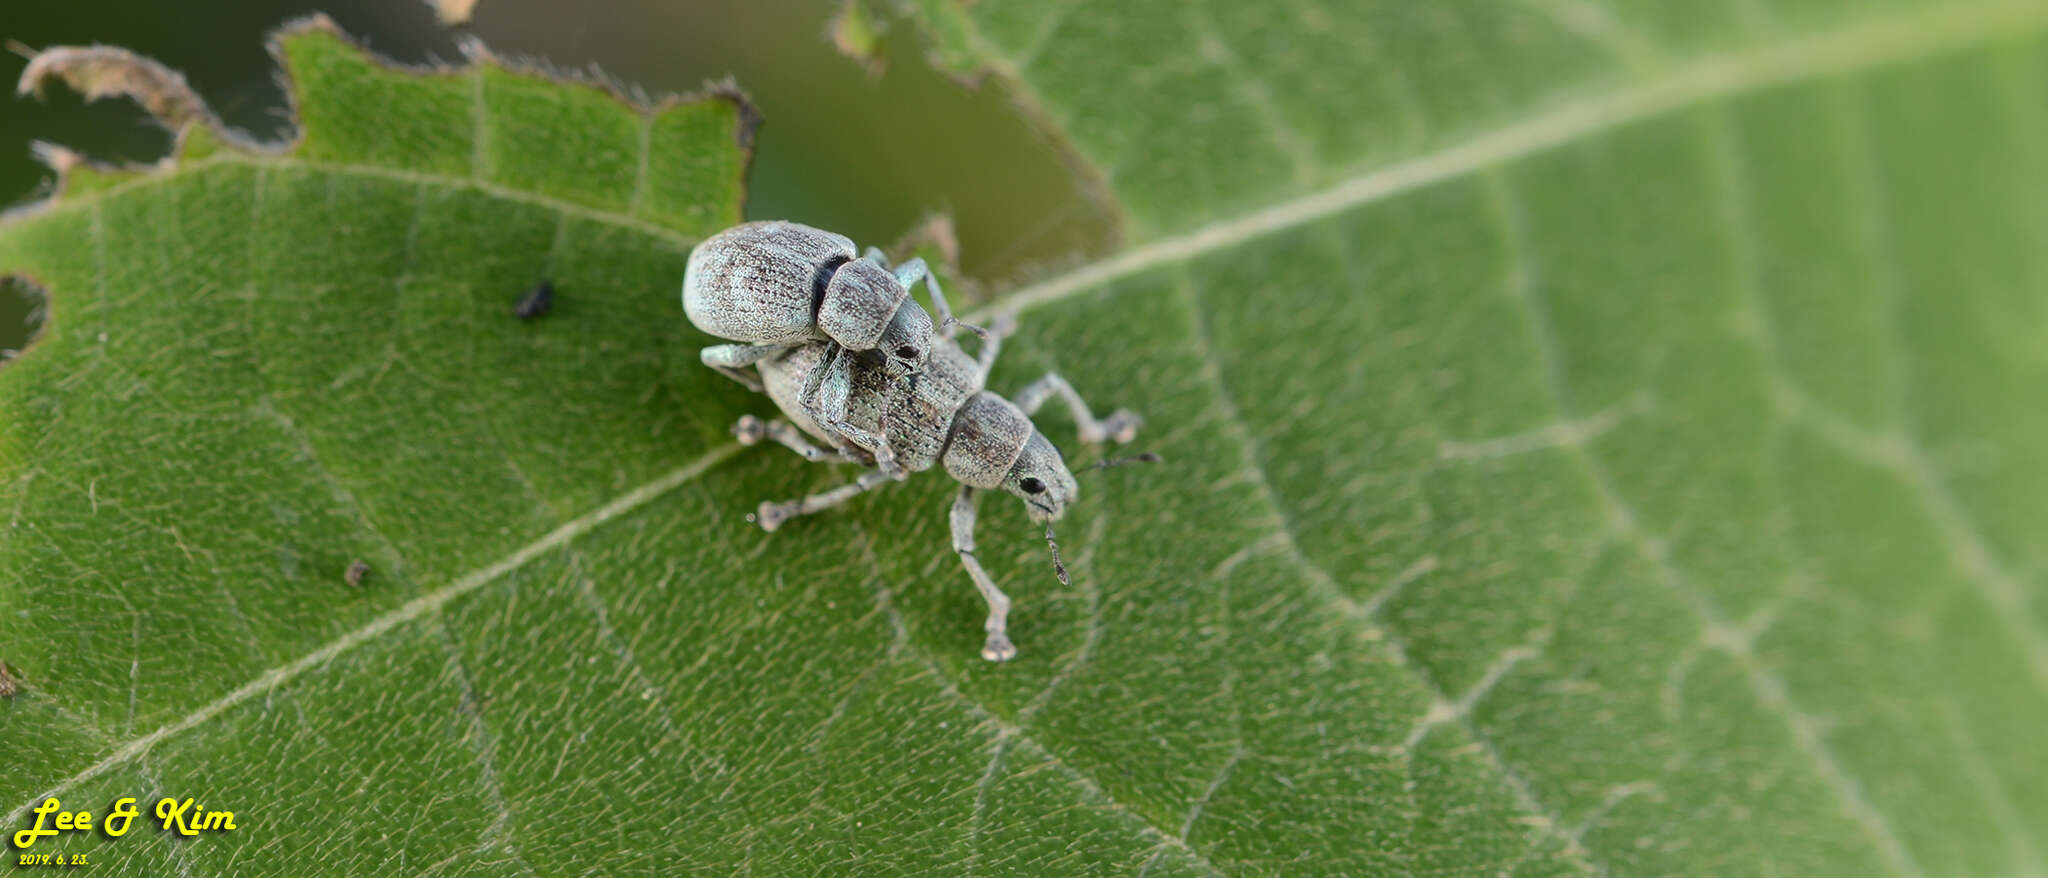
938	413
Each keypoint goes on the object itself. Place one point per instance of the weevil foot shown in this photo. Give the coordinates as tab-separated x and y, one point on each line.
749	429
998	648
771	514
1121	425
885	460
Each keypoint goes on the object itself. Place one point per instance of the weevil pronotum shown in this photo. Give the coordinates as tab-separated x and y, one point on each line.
946	418
780	285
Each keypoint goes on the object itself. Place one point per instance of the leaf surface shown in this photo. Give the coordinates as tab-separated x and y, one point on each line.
1599	441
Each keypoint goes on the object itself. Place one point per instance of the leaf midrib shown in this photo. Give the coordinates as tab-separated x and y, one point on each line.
416	608
1872	43
1875	42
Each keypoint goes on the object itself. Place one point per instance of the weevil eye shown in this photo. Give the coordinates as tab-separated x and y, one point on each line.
1032	486
906	352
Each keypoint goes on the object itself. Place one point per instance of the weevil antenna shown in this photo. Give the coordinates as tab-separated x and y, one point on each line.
1058	569
950	320
1147	457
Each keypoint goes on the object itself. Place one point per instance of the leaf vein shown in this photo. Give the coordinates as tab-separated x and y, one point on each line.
1323	584
1252	92
1598	25
1901	457
1006	729
1090	636
411	610
484	744
1770	692
1873	43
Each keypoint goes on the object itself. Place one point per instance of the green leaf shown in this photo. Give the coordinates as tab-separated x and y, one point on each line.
1598	440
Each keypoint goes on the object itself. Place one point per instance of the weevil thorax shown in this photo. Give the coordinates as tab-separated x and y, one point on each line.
987	434
860	302
994	445
1041	479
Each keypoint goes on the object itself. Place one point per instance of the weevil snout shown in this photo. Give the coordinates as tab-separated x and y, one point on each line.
1041	479
907	340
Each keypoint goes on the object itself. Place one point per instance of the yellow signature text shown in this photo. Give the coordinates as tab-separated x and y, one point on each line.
189	819
183	816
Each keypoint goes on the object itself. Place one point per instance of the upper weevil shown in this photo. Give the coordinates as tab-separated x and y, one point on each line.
778	285
984	441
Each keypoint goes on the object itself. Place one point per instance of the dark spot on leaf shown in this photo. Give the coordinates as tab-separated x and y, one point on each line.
536	302
7	684
357	572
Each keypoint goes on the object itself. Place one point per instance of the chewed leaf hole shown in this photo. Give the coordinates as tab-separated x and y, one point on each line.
21	314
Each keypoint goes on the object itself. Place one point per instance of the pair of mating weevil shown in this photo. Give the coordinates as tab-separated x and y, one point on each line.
852	360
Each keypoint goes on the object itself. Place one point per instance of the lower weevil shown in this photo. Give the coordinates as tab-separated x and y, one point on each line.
945	418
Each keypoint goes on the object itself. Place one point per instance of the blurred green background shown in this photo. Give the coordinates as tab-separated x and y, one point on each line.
861	152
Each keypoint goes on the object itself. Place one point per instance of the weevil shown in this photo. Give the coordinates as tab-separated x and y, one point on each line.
948	419
775	286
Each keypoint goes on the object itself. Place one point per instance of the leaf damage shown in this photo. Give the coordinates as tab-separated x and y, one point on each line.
97	72
857	34
37	296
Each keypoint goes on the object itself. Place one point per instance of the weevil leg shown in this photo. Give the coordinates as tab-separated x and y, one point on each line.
729	359
748	381
829	388
825	397
751	430
914	270
885	457
1121	425
998	647
772	515
876	256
